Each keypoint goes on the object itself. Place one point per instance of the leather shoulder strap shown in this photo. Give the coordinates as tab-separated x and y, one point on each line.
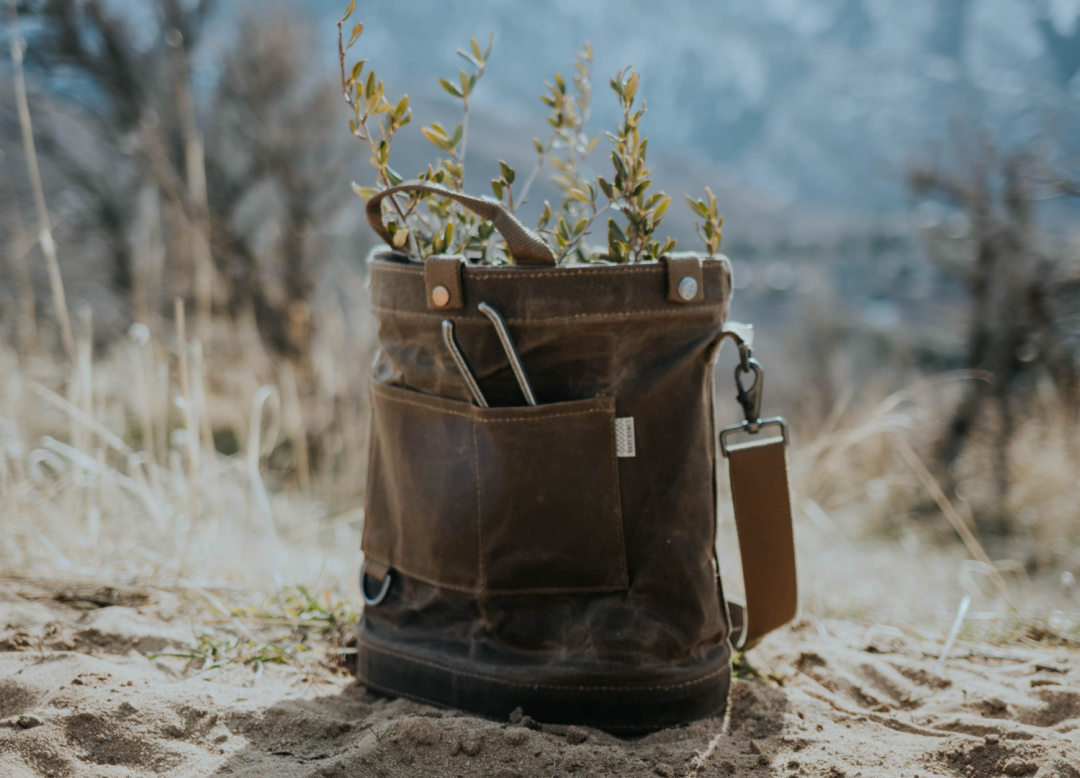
762	501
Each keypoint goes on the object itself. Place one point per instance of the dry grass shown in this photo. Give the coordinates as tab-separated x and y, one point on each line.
98	484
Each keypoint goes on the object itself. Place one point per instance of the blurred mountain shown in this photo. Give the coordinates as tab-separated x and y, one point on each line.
806	101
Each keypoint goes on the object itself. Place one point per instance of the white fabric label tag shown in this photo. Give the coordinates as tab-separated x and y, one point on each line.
624	437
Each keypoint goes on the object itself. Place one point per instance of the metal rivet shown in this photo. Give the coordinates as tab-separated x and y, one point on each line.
687	288
440	295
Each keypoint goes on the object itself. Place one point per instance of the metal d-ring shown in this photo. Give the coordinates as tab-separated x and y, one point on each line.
383	590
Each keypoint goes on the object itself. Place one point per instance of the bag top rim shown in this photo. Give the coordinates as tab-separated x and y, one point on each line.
583	293
380	258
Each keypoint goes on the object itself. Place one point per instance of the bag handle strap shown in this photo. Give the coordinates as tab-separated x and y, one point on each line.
525	246
762	503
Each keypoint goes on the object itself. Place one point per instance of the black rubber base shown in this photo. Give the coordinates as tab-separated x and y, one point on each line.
677	695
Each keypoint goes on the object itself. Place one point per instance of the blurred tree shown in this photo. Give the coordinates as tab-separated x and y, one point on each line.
222	214
1025	290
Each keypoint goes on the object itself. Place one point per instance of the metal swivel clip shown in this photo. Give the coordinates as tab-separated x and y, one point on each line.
749	397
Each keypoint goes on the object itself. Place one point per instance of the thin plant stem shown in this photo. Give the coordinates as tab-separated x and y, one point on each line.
955	519
48	247
189	422
195	168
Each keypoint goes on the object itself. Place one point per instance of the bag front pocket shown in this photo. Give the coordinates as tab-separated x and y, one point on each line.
499	500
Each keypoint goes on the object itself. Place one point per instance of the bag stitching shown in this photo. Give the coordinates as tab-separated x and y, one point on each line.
682	309
391	398
492	679
497	592
411	574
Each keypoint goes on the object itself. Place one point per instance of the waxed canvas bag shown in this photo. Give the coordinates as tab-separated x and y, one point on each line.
560	556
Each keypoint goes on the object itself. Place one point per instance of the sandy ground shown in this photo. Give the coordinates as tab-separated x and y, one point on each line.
81	694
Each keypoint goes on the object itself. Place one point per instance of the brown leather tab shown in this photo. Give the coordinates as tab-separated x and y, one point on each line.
759	490
377	569
685	281
442	280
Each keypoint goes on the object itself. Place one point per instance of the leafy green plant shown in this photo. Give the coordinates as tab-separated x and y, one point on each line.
307	612
213	651
710	212
444	226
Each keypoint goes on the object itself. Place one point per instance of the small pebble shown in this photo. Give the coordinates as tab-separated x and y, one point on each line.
576	735
516	736
29	721
1017	767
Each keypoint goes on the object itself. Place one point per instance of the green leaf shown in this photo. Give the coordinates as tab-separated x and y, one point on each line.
605	187
365	192
440	141
476	49
696	206
497	187
357	69
577	194
357	31
349	9
591	146
661	209
458	134
466	84
400	237
630	89
491	40
451	88
507	172
614	229
545	217
468	57
393	175
402	106
620	168
539	146
369	86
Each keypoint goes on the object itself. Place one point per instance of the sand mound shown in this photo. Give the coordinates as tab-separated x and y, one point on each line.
79	696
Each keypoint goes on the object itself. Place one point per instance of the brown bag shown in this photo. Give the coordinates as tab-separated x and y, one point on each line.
560	557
